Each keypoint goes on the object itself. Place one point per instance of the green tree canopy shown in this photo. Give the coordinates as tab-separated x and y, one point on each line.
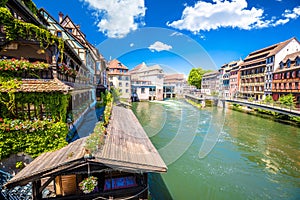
288	100
195	76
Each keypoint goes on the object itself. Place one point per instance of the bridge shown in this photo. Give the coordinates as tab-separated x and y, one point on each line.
270	107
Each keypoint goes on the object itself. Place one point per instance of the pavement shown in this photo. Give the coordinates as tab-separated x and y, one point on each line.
88	123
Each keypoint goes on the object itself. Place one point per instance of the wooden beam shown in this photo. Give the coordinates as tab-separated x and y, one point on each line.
36	195
46	184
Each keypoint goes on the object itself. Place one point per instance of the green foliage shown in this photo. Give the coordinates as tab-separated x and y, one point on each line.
115	92
108	109
250	99
194	103
237	107
288	100
15	29
195	76
20	165
88	184
268	99
96	139
55	104
3	3
32	137
31	6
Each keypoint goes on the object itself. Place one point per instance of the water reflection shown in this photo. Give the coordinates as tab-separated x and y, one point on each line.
271	145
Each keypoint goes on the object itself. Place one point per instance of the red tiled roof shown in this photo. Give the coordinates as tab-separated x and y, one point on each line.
174	76
115	64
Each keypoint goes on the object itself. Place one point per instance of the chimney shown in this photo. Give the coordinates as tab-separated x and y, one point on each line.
78	27
60	17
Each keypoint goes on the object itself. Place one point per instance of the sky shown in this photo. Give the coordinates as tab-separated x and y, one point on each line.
180	34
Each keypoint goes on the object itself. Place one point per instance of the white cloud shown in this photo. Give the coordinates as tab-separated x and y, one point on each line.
131	44
117	18
159	46
205	16
292	14
176	34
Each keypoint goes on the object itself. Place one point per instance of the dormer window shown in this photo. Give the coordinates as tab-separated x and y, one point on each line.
69	30
298	61
281	65
288	64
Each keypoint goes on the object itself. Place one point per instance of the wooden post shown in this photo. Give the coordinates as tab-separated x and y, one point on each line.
36	195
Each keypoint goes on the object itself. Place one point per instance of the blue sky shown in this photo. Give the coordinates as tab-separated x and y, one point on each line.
181	34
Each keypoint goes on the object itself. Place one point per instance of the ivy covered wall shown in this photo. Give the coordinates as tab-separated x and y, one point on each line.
32	137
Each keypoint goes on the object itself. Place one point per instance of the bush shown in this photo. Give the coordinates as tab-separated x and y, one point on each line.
32	137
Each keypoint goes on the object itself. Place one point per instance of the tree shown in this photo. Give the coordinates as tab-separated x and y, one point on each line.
268	99
195	76
287	100
116	94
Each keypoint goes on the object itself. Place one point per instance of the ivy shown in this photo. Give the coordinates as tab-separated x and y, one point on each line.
55	104
31	6
32	137
3	3
15	29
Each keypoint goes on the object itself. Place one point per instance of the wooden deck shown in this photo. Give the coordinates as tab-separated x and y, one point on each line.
127	145
127	148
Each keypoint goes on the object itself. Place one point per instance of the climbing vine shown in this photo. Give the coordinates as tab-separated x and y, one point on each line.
31	6
32	137
15	29
55	104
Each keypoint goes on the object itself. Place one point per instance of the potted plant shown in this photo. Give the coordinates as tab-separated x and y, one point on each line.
88	184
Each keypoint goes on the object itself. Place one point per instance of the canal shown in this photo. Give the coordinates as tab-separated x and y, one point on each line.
220	154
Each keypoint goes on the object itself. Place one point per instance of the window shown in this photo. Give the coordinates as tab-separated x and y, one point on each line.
69	30
288	64
120	84
127	84
281	65
143	90
58	34
127	91
298	61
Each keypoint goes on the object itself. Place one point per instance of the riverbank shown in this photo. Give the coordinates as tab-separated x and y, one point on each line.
277	117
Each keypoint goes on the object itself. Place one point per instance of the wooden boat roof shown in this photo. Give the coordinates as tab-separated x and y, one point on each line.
127	148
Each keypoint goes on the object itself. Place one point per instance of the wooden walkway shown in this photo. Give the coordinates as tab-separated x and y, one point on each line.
127	144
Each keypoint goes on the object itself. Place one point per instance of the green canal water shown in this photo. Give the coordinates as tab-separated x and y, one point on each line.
251	158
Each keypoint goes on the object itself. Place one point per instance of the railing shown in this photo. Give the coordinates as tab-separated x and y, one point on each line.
273	106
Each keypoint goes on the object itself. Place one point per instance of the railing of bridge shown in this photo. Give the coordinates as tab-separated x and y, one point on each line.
274	104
